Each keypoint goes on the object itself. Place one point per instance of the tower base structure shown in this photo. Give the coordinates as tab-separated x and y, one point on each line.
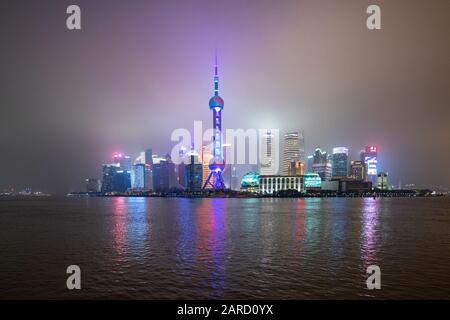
215	178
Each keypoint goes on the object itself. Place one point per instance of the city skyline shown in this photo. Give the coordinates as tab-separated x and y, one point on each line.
66	108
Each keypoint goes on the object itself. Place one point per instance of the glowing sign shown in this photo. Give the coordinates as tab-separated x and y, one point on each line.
373	149
250	179
312	180
371	162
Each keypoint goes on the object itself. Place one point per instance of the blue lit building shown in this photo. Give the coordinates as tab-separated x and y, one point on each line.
138	176
217	165
250	182
115	179
321	164
109	172
193	175
370	157
340	163
163	175
312	181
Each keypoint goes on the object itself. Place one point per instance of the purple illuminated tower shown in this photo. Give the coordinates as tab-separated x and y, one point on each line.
217	165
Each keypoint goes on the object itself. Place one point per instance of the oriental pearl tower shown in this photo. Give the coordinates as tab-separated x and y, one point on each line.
217	164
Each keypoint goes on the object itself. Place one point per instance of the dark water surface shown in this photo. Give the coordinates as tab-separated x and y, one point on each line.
158	248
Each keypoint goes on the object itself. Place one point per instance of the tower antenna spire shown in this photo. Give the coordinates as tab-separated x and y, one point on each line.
216	75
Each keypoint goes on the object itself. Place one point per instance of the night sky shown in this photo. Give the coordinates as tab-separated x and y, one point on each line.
140	69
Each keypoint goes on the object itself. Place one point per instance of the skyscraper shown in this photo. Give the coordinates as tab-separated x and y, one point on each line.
291	152
309	164
123	161
163	175
148	181
268	154
148	158
109	172
340	162
301	140
370	157
194	174
296	168
138	176
358	170
216	104
322	165
234	179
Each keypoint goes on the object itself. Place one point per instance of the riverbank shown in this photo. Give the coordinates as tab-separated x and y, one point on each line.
281	194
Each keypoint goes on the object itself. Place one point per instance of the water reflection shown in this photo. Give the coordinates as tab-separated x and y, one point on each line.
337	227
369	231
211	241
119	217
130	225
312	222
137	224
186	228
299	225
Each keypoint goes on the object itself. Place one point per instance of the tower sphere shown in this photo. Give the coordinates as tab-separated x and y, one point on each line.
216	102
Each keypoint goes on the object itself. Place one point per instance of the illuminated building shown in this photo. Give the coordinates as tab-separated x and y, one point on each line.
163	175
312	181
173	181
301	141
123	161
291	151
93	185
234	179
382	181
138	176
181	167
358	170
148	157
181	174
370	158
194	174
250	182
115	179
309	163
340	163
296	169
109	172
148	181
217	165
273	184
268	160
122	181
207	157
140	158
117	157
157	159
321	164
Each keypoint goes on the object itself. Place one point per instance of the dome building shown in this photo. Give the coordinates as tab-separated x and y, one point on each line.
250	182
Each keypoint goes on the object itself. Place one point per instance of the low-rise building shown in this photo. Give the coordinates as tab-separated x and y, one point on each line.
273	184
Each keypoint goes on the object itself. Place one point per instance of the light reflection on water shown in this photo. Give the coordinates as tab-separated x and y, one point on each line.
225	248
369	231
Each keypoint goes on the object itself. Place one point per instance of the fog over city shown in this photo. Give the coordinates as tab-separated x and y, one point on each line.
140	69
